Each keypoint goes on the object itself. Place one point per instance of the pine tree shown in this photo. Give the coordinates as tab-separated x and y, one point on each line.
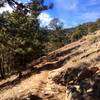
21	37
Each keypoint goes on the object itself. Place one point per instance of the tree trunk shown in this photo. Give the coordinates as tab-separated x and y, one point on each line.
19	74
2	73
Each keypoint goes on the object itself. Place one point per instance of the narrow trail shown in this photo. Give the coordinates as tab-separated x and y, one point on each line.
68	56
42	84
32	85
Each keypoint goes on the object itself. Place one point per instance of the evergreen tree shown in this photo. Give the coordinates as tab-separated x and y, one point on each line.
21	37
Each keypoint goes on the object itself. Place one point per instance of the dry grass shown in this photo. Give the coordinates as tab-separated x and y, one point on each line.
75	54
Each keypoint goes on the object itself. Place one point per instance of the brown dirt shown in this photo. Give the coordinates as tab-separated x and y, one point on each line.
40	85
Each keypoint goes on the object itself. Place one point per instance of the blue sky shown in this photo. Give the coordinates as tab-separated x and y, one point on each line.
71	12
75	12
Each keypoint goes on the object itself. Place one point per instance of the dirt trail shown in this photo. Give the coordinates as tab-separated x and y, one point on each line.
69	56
32	85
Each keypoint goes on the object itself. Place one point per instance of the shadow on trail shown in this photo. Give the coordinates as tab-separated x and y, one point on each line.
52	66
34	97
12	83
33	70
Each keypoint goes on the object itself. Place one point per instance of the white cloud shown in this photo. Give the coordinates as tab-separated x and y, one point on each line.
92	2
70	5
6	8
45	19
90	16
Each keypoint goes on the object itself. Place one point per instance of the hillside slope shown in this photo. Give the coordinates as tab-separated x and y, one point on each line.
49	80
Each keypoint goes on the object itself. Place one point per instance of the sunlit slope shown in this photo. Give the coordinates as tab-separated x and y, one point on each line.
42	84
